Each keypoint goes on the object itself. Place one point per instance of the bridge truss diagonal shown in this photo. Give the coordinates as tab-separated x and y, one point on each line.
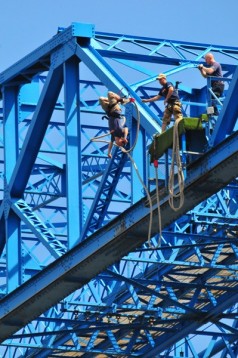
79	273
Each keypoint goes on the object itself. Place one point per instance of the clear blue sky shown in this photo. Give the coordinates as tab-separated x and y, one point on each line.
27	24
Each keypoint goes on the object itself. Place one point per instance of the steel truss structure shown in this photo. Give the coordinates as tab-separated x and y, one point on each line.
82	273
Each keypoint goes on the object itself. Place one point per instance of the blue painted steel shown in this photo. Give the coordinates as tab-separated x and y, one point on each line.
83	30
39	228
11	115
111	243
99	208
12	225
113	82
13	252
73	148
113	282
228	116
36	132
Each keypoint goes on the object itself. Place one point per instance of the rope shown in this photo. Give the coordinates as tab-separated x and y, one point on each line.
95	139
176	158
158	205
151	210
145	187
98	139
137	129
147	194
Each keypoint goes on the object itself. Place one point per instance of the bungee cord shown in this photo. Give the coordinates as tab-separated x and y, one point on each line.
158	203
171	185
147	194
175	188
128	151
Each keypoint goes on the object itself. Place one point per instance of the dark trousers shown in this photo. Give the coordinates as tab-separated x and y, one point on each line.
217	89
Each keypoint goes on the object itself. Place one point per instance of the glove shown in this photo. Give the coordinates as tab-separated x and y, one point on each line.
132	100
200	66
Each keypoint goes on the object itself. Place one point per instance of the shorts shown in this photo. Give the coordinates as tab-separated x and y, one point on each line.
115	125
172	109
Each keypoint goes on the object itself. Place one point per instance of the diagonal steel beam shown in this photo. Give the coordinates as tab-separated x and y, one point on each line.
96	63
104	193
32	143
109	244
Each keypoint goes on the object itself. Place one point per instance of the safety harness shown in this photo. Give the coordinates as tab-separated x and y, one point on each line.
174	102
111	113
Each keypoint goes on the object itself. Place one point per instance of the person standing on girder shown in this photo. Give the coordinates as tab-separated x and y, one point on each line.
111	105
172	101
214	69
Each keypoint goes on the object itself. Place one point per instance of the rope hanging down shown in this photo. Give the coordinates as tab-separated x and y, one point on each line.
145	187
128	151
176	159
158	211
149	200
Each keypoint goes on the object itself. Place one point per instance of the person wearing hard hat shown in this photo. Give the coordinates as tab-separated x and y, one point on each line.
171	100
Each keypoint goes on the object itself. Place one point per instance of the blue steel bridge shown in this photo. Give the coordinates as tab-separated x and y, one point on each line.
94	260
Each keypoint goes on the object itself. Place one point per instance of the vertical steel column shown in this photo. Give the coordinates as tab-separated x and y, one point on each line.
227	120
12	222
139	157
73	146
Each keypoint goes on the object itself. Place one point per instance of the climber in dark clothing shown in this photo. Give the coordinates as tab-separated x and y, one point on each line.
213	69
171	101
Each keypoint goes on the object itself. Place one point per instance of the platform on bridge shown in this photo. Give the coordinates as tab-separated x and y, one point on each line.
163	141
